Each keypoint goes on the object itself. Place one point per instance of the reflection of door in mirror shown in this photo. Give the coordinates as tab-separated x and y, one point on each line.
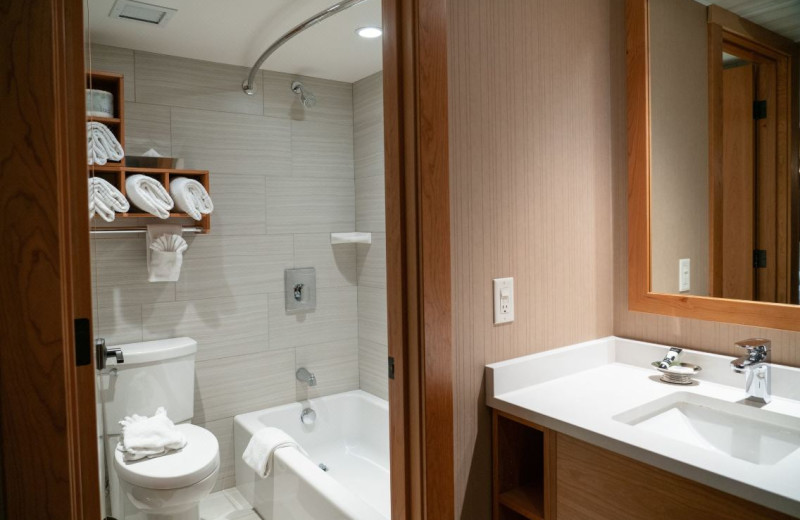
749	182
723	191
753	255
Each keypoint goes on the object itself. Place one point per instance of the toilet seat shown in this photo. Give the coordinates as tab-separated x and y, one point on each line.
196	461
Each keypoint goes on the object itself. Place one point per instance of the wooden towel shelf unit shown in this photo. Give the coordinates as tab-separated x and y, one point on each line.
117	172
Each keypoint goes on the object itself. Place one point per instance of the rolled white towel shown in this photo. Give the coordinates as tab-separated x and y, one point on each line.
191	197
105	199
260	451
101	144
149	195
149	436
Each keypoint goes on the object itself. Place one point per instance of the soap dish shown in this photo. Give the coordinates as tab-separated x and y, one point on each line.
678	374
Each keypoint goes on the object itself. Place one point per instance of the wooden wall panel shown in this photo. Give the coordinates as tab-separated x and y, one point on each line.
531	153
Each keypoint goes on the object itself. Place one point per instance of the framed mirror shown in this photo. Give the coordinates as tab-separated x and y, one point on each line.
713	194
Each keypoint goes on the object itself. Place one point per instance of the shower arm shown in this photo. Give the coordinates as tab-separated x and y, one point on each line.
248	85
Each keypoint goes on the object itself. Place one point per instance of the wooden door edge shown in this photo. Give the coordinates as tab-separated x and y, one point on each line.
418	258
49	440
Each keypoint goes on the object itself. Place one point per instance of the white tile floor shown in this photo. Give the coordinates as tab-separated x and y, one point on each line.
227	504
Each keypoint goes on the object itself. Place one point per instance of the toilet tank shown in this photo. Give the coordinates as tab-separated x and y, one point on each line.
154	373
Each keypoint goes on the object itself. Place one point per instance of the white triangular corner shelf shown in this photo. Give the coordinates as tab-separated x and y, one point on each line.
351	238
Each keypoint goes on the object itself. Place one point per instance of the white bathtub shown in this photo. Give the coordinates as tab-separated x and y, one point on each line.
350	437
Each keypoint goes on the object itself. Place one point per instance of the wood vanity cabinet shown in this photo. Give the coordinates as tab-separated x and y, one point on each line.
540	474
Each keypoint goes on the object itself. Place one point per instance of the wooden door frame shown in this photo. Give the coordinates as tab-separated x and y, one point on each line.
726	30
47	416
418	258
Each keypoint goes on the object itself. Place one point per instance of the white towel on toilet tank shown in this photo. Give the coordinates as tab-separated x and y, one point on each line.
191	197
260	451
149	195
102	144
149	436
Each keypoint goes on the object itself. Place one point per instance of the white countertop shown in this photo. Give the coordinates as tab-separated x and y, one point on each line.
577	390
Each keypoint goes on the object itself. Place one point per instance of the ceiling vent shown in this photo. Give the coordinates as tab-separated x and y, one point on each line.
141	12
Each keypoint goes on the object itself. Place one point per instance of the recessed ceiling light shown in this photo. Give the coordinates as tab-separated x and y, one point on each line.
369	32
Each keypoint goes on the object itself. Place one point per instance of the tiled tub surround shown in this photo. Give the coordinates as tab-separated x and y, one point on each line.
282	178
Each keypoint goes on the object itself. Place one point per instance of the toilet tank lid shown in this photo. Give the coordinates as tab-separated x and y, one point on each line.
158	350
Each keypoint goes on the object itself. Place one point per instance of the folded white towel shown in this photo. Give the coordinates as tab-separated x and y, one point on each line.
149	195
191	197
149	436
260	451
101	144
166	258
105	199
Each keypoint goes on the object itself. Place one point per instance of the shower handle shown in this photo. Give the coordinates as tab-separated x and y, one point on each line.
298	292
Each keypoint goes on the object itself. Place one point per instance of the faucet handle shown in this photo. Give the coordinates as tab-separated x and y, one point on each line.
755	343
756	347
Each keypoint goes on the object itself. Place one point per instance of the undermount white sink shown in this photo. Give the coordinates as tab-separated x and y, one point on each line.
736	429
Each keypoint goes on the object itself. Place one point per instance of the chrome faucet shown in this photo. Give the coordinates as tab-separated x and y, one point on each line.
305	376
755	366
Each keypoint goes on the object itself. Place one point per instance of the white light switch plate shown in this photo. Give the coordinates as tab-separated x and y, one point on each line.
684	271
503	289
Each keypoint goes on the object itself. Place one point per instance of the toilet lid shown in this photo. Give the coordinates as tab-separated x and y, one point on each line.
196	461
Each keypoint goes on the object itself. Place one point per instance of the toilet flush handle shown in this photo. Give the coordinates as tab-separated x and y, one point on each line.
102	353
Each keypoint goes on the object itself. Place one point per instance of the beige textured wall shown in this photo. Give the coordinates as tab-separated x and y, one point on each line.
532	108
679	109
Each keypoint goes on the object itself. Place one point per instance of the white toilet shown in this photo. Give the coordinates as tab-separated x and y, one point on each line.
153	374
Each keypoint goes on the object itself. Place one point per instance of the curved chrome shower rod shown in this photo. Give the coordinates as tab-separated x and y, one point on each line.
247	85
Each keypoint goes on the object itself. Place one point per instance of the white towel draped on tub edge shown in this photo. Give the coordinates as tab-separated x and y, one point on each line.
260	451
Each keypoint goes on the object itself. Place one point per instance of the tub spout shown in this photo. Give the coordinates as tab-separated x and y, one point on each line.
305	376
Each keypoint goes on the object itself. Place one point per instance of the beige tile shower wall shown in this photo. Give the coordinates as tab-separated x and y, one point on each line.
531	157
282	179
368	154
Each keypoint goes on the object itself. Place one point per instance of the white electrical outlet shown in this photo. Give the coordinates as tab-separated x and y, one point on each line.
684	275
503	289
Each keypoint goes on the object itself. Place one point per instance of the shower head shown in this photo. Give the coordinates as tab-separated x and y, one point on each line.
306	96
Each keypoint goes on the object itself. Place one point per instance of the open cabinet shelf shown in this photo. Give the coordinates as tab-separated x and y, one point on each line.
521	462
116	173
526	499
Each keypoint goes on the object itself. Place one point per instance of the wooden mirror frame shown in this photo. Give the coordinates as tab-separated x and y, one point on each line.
640	297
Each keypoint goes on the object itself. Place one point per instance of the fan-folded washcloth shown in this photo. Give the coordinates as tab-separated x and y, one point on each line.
149	436
105	199
191	197
166	258
101	144
260	451
149	195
